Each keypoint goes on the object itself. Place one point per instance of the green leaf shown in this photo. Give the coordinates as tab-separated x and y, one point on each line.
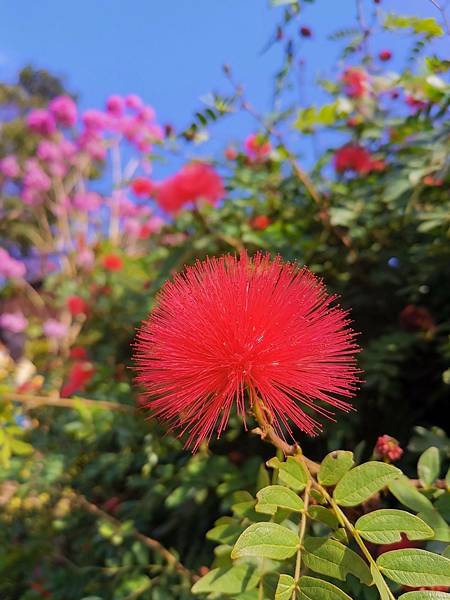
425	595
429	466
440	528
266	540
285	587
427	26
312	588
273	497
408	495
332	558
385	526
291	473
363	481
324	515
334	466
415	568
20	447
226	531
229	580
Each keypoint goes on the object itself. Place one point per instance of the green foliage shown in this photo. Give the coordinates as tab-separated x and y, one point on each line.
360	483
415	567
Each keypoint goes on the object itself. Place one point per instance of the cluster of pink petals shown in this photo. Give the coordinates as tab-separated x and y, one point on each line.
356	82
388	447
35	182
87	201
257	147
41	121
9	167
9	266
193	182
14	322
54	329
64	111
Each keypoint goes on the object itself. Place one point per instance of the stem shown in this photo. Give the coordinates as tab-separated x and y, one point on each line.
301	535
267	432
151	543
37	401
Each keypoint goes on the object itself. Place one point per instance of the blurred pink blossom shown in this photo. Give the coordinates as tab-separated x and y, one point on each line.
94	120
9	266
9	166
87	201
14	322
134	102
41	121
64	109
54	329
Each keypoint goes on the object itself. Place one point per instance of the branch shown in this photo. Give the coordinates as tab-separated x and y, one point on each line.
151	543
37	401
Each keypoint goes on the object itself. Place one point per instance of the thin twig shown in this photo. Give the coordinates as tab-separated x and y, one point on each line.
37	401
301	535
151	543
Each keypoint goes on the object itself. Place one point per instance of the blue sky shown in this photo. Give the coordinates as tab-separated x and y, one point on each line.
171	52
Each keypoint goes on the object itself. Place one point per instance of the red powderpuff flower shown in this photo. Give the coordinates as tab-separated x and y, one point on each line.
112	262
356	82
193	182
142	187
388	447
80	374
76	305
236	332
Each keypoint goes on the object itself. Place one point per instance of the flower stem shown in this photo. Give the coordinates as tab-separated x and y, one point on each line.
301	535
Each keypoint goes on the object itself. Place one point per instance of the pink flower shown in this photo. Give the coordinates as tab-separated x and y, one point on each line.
9	266
134	102
257	147
14	322
64	109
388	447
94	120
48	151
85	258
146	114
35	177
9	166
91	143
87	201
415	103
54	329
356	82
115	105
41	121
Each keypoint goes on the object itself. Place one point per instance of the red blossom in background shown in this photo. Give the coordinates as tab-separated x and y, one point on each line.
142	187
238	331
388	447
260	222
76	305
385	55
230	153
305	32
80	374
417	318
195	181
112	262
353	157
78	353
257	147
356	82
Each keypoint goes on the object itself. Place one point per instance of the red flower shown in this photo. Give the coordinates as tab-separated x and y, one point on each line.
433	181
80	374
196	181
305	32
356	158
257	147
385	55
260	222
112	262
416	318
230	153
415	103
142	187
356	82
78	353
243	331
388	447
77	306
